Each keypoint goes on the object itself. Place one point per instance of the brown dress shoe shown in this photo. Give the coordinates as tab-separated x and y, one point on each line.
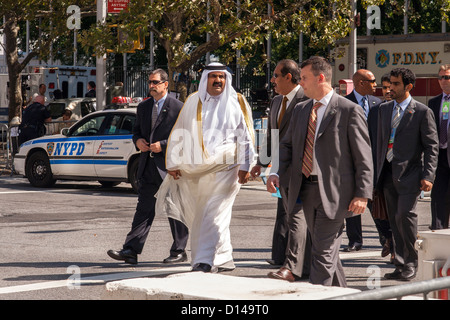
282	274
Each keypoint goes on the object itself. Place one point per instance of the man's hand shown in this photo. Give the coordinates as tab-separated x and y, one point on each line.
425	185
256	171
358	205
156	147
176	174
142	145
243	176
273	182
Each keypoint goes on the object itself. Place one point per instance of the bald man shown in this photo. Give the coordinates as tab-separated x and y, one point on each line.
33	118
364	84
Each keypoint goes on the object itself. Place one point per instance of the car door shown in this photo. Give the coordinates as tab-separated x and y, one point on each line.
112	151
73	155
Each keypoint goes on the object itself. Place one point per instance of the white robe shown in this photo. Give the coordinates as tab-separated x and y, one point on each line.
209	144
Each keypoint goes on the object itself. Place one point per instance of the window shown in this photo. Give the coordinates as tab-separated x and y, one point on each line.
120	125
90	126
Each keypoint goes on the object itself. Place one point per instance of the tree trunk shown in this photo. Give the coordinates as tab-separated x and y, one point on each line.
12	59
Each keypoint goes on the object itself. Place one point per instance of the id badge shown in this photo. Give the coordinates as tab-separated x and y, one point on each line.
391	137
445	110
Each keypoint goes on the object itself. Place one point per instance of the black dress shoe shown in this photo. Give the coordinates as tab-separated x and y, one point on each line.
181	257
408	273
396	275
353	247
127	255
202	267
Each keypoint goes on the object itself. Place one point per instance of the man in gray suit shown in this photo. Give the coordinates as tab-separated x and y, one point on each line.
331	167
289	242
407	153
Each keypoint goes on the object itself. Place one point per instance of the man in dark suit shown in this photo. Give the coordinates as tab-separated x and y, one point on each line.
440	194
154	121
381	223
289	242
327	148
364	84
91	90
407	152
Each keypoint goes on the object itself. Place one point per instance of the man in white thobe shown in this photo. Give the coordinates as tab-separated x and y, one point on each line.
209	154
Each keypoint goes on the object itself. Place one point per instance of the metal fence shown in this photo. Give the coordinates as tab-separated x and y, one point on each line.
10	143
251	83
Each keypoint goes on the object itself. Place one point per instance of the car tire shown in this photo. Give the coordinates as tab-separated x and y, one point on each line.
38	170
132	175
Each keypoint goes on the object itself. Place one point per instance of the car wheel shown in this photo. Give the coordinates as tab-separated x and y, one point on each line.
109	184
38	170
132	175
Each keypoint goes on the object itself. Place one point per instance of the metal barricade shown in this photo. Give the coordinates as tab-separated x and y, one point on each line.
4	150
55	126
397	292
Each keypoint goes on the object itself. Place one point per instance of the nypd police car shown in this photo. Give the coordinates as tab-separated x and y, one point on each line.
98	147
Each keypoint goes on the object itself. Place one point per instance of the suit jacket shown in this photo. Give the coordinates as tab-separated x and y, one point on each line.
275	106
372	100
342	151
435	105
415	148
163	126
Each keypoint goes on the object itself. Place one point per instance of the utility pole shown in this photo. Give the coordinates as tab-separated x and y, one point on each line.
352	44
100	91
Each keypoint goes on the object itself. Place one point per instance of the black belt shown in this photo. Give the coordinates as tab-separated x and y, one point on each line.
311	178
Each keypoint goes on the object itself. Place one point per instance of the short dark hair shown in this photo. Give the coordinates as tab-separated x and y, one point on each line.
290	66
162	74
92	84
408	77
386	78
319	65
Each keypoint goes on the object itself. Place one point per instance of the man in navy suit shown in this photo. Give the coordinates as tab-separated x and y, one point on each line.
364	84
440	194
154	121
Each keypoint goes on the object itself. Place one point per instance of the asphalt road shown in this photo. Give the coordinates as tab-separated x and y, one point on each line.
49	237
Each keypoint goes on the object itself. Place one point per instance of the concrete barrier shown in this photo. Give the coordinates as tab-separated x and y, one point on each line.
213	286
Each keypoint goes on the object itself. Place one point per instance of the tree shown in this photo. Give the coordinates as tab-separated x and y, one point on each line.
181	26
51	25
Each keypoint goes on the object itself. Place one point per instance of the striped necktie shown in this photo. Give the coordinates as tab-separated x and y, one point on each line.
309	144
395	122
283	110
154	114
364	106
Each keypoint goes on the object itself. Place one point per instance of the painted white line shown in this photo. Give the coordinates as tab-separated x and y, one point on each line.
71	282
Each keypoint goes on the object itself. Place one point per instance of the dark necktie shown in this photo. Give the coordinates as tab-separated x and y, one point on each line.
154	114
309	144
283	110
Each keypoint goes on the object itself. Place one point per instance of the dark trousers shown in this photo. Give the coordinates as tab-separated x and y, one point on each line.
440	194
353	228
145	213
280	234
401	209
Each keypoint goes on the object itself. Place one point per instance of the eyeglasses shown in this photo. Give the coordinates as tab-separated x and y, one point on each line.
155	82
371	81
444	77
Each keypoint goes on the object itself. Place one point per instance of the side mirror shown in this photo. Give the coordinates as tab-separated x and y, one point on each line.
65	131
